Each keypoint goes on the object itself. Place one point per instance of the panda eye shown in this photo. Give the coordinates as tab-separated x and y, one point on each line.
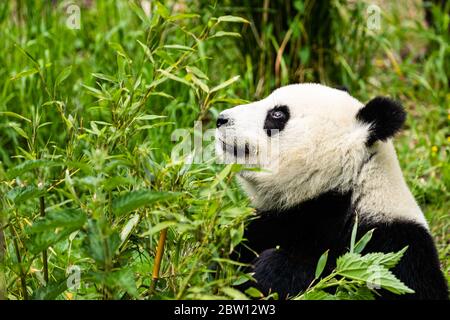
278	114
276	119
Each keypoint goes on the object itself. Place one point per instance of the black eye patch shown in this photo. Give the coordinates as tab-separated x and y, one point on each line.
276	119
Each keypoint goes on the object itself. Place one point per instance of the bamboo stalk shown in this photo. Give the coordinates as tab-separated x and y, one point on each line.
158	258
44	253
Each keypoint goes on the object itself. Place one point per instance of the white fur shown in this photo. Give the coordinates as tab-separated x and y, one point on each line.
322	148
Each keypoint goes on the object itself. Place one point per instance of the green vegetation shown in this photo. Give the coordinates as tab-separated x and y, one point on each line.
87	181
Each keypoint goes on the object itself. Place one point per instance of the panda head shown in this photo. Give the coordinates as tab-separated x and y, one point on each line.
306	139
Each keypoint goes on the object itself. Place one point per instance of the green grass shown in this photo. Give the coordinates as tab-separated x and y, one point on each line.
80	140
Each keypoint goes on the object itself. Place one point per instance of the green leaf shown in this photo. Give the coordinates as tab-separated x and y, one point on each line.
316	295
236	235
225	84
139	12
96	93
63	75
321	264
13	114
158	227
101	242
29	165
18	129
178	47
222	175
232	19
389	260
200	83
51	291
225	34
242	279
25	73
355	267
104	77
120	51
254	293
21	194
54	227
183	16
360	293
136	199
174	77
149	117
72	219
361	244
162	10
197	72
134	220
114	182
116	280
234	294
147	52
353	236
162	94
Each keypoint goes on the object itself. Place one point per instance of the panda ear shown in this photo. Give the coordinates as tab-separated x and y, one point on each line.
385	116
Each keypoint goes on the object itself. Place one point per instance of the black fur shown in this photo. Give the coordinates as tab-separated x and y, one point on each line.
290	243
386	117
342	88
276	124
221	120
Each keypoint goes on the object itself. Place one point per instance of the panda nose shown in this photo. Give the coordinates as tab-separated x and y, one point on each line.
221	120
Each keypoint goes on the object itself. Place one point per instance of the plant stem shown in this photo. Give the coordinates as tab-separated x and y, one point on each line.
23	281
2	256
44	253
158	258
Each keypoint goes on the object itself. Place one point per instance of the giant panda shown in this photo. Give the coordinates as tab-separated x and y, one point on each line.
334	160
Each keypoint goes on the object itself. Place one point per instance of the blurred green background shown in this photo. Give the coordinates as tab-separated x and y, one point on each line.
91	91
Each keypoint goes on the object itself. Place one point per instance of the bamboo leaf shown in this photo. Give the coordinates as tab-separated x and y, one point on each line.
178	47
136	199
321	264
254	293
183	16
147	52
225	84
174	77
149	117
134	220
225	34
353	236
63	75
13	114
197	72
232	19
200	83
234	294
361	244
104	77
158	227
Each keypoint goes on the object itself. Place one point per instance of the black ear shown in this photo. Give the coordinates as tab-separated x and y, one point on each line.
386	117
